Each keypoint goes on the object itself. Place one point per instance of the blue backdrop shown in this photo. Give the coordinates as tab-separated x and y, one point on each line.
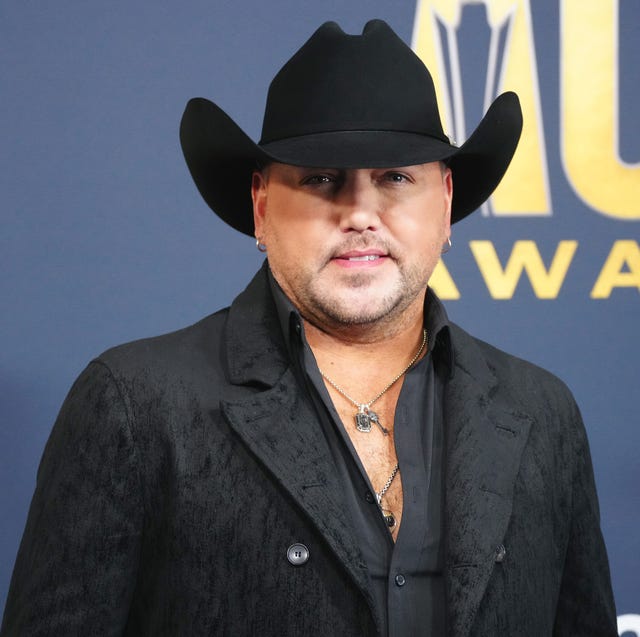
105	238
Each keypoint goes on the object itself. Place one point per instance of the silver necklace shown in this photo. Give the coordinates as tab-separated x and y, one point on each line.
365	416
389	518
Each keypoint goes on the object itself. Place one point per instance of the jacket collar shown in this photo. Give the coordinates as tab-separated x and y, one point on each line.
255	347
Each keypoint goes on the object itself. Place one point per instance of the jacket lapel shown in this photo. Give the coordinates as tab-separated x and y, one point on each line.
485	440
282	431
280	427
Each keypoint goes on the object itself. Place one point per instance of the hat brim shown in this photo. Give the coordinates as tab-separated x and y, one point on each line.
221	157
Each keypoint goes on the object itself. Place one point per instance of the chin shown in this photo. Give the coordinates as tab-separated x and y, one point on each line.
356	311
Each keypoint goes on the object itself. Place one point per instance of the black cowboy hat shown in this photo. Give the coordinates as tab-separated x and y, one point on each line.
346	101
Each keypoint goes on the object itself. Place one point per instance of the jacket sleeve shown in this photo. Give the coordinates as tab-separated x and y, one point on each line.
585	605
77	563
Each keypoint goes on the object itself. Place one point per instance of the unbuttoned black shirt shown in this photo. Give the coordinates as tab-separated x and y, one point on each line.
406	576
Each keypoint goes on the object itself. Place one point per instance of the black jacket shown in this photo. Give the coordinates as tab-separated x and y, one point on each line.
182	468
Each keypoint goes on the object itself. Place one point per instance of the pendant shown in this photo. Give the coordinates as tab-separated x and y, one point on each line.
389	519
365	417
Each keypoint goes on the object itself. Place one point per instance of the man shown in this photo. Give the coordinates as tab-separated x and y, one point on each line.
330	455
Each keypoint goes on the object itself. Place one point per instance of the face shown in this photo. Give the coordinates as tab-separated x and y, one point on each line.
356	246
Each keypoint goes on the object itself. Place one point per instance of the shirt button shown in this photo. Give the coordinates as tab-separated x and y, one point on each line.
368	496
400	580
298	554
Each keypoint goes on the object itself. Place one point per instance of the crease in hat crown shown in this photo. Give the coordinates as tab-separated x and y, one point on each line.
346	101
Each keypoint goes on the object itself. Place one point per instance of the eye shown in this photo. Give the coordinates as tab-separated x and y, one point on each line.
397	177
318	179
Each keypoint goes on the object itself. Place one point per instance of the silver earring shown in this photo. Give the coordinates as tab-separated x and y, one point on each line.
261	246
447	246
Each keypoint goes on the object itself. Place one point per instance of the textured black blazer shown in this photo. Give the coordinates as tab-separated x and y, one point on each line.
181	468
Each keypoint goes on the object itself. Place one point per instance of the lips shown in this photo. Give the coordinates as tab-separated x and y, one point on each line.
365	257
362	255
356	258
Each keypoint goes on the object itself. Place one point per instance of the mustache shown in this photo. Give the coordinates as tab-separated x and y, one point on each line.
362	242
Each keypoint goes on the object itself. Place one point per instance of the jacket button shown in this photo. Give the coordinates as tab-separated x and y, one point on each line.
298	554
500	553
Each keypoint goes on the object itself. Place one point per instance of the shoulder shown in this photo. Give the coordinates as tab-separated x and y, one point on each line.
520	379
499	361
202	344
158	375
192	346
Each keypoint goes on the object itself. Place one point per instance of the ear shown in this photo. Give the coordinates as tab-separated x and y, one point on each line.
259	198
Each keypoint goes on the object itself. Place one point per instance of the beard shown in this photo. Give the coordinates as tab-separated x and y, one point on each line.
357	300
332	299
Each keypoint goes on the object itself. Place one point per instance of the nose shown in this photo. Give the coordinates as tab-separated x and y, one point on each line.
359	202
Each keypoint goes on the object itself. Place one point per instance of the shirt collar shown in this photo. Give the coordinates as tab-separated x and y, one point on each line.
436	323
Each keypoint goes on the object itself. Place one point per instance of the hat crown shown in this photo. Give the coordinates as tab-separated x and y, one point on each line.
341	82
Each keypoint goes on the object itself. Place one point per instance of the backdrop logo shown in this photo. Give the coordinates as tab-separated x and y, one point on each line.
589	130
589	109
511	65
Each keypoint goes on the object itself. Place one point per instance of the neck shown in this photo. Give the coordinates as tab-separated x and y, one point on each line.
366	356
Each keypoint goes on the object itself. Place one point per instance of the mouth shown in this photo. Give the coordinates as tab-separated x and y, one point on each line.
366	257
361	258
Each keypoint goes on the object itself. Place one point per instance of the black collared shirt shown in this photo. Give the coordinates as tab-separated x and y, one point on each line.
406	576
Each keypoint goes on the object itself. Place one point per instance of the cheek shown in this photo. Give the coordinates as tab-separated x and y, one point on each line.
289	243
297	229
420	231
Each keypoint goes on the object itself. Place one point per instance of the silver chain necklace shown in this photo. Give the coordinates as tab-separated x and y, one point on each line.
365	416
389	518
